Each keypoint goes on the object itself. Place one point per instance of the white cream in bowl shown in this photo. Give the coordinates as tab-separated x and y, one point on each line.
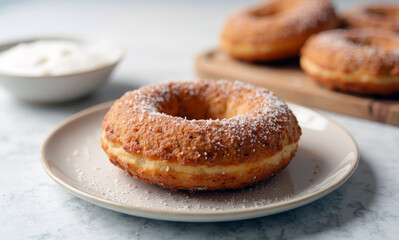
56	69
56	57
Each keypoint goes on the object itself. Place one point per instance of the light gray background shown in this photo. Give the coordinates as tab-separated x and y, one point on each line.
162	38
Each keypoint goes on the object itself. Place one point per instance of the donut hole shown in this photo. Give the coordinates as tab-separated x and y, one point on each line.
384	12
264	12
379	42
274	8
203	106
270	9
361	41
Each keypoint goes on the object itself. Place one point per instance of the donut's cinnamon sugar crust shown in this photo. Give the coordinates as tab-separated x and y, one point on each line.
203	124
276	29
364	61
373	15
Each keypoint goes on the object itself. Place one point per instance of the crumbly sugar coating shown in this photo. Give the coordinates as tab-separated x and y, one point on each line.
385	16
363	61
275	29
276	20
373	51
201	123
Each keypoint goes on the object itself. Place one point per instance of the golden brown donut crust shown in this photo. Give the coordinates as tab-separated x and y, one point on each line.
276	29
373	15
199	182
364	61
200	124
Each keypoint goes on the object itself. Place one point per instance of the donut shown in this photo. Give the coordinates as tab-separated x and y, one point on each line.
197	136
373	15
276	29
363	61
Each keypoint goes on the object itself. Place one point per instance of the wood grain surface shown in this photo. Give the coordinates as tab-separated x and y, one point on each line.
287	80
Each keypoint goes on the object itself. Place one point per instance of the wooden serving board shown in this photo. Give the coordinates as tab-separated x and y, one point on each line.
287	80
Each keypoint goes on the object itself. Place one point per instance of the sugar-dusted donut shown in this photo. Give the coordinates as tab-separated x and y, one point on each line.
276	29
364	61
373	15
205	135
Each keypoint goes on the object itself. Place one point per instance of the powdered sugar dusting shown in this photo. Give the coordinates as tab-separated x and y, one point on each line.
361	46
98	177
285	18
117	186
309	14
267	115
93	175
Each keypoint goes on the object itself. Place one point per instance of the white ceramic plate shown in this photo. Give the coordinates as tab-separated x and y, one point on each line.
72	156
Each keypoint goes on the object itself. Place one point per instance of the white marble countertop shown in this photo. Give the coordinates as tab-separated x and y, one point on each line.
162	38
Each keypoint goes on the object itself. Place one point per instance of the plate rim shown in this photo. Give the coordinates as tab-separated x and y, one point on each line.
204	215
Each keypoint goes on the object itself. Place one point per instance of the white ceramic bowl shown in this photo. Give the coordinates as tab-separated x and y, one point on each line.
60	88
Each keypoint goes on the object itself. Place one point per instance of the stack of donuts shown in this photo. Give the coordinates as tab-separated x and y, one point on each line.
362	58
